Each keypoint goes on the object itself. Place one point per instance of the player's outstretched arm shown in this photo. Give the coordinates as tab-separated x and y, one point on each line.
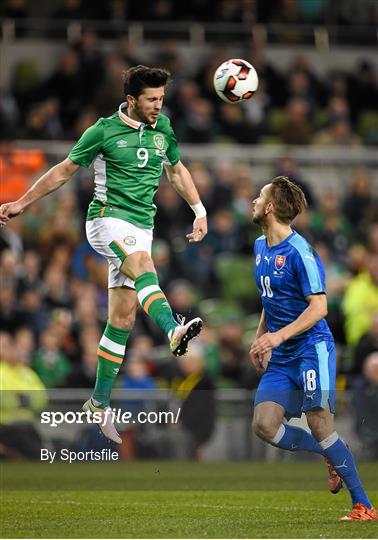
182	181
53	179
315	311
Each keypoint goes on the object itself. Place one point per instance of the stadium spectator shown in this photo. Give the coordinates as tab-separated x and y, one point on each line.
295	128
10	316
232	350
198	124
339	133
18	168
107	96
337	281
365	401
330	226
25	344
361	301
49	362
358	200
367	345
165	266
91	62
182	298
233	127
66	84
23	395
287	166
43	121
195	394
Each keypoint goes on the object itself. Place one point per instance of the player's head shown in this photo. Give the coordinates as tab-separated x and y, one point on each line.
144	89
281	201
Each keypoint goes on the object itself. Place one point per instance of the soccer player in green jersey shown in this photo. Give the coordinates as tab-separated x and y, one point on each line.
128	150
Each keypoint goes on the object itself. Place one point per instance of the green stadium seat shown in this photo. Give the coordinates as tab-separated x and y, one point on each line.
368	127
236	276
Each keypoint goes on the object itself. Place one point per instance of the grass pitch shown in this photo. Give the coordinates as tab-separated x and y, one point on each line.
177	500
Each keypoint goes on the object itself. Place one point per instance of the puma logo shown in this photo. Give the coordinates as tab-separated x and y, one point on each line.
342	465
267	259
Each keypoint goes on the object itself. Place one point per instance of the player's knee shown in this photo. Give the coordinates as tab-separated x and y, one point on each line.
137	264
320	424
264	428
145	262
123	321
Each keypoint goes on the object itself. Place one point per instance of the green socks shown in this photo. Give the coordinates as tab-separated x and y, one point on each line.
110	352
111	349
153	301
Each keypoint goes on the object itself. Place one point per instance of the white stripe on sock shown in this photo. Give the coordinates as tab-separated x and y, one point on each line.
280	433
112	345
142	295
329	441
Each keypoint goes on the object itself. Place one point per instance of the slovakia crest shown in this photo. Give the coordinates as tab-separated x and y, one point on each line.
279	262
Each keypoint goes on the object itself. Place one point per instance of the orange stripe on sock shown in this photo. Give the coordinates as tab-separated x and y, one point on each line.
152	299
108	356
121	248
102	211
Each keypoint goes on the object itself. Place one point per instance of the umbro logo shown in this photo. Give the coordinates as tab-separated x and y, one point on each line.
121	143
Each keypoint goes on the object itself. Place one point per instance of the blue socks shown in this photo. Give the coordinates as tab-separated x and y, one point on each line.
343	462
296	439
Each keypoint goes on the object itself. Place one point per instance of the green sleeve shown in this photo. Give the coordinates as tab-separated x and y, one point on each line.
173	153
89	145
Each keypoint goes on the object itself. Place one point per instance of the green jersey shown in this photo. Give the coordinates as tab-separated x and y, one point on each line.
128	158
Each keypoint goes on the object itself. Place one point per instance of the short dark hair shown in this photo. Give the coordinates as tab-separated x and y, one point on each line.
136	79
288	199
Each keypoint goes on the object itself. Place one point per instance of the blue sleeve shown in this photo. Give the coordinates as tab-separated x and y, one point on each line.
310	272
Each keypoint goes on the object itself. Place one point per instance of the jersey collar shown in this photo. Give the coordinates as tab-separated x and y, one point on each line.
130	121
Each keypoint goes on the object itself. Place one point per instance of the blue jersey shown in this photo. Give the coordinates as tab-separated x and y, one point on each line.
285	274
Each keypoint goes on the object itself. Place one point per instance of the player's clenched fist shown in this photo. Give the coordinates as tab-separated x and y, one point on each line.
9	210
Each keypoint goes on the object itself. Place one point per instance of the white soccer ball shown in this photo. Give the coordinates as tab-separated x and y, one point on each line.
235	80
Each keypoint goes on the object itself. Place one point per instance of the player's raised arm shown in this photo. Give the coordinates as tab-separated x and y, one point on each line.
182	181
53	179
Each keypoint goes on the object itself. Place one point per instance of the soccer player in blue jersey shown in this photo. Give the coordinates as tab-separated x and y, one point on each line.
294	347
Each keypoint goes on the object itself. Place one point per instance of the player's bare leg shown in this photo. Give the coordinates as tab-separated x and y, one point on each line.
321	423
267	424
123	304
140	268
267	418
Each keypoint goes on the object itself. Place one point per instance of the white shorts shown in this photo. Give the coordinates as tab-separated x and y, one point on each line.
115	239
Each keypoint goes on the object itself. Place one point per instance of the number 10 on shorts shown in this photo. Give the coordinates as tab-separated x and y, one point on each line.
309	380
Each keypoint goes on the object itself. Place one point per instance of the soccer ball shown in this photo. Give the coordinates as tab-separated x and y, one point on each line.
235	80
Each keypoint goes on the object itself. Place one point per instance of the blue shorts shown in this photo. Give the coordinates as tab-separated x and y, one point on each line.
303	383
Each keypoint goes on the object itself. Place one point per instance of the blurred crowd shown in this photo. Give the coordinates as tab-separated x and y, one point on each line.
53	291
53	295
296	106
289	12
